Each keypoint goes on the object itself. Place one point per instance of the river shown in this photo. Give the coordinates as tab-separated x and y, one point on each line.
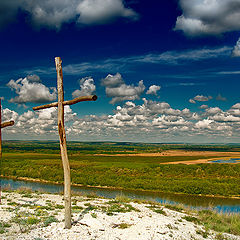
219	204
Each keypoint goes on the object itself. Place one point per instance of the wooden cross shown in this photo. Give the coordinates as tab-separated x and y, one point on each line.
2	125
62	136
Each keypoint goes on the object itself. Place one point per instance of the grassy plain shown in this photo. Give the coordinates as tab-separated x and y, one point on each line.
120	165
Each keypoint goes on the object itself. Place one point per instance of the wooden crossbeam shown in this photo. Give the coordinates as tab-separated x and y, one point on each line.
62	135
71	102
7	124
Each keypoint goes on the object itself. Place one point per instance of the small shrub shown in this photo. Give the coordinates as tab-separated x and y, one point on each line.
24	190
219	236
32	220
13	204
203	233
49	220
174	208
124	225
123	199
27	195
157	209
191	219
160	211
169	226
3	226
41	212
118	207
58	206
94	215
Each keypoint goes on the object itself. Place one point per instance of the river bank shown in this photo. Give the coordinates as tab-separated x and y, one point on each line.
228	205
34	215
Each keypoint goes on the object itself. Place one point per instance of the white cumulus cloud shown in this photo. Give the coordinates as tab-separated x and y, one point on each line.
151	120
192	101
200	98
203	106
116	88
54	13
101	12
87	87
208	17
31	91
205	123
9	115
153	89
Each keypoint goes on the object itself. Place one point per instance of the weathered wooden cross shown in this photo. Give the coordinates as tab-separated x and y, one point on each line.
62	136
2	125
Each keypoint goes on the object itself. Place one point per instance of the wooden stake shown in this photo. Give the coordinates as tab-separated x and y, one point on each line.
62	135
63	144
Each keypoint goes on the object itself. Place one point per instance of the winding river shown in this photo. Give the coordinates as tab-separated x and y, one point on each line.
219	204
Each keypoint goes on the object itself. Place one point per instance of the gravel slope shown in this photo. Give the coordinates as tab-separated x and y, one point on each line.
40	217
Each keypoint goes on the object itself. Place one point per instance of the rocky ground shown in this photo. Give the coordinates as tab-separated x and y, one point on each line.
39	216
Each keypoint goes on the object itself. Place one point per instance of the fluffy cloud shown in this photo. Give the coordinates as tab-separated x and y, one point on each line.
30	89
112	81
157	120
224	117
9	115
119	91
235	110
236	49
153	90
213	111
205	123
203	106
53	13
200	98
150	121
87	87
208	17
237	105
101	12
192	101
33	78
39	123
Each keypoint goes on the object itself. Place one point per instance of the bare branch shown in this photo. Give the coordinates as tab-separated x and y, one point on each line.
70	102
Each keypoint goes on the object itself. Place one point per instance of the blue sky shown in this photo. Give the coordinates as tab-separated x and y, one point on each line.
163	71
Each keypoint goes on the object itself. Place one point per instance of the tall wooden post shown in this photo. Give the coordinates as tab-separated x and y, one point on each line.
2	125
63	144
62	136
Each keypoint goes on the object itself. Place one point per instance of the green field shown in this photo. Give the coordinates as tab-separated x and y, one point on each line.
41	160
